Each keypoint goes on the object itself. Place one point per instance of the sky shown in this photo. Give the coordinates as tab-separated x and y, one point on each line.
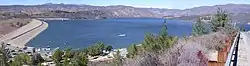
171	4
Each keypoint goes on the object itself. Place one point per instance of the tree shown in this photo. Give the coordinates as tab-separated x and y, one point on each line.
163	39
220	20
199	29
117	60
96	49
108	48
149	43
164	31
158	43
100	46
3	55
68	55
57	56
17	61
79	59
26	59
92	51
21	59
37	59
132	51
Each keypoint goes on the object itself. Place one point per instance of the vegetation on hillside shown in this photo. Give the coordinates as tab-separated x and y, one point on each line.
199	28
97	49
37	59
21	59
164	50
220	20
57	56
70	57
3	56
155	50
117	59
132	51
158	43
79	59
153	43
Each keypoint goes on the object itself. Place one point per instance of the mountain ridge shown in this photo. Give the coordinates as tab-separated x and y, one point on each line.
113	11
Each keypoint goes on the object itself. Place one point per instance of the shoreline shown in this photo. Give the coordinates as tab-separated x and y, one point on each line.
64	19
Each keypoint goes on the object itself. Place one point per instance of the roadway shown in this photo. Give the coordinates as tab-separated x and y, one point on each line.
244	49
23	35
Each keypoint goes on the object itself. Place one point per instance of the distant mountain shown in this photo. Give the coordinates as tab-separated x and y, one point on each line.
96	12
79	11
204	10
237	12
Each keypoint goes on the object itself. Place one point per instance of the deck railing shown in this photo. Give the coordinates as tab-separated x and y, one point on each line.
233	53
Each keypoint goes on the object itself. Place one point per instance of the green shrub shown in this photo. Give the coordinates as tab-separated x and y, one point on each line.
132	51
97	49
220	20
21	59
57	56
79	59
199	29
158	43
117	58
108	48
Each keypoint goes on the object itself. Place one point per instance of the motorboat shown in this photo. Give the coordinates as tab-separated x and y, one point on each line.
248	23
122	35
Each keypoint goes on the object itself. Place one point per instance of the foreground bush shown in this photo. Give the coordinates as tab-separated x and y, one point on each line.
152	44
158	43
192	51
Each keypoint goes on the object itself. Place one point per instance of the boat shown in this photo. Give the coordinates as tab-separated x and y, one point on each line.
248	23
122	35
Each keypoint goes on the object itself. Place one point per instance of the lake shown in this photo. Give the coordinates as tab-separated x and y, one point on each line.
119	32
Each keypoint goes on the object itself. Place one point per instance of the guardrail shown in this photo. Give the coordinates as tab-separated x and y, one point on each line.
233	53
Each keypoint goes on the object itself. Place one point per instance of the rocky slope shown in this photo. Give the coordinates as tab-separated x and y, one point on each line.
95	12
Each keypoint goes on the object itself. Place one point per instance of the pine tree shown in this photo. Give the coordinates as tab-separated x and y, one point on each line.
68	55
158	43
57	56
100	47
149	43
163	39
149	39
164	29
79	59
108	48
96	49
117	58
3	55
199	29
17	61
132	51
21	59
37	59
220	20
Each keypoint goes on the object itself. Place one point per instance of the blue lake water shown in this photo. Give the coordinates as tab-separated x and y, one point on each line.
83	33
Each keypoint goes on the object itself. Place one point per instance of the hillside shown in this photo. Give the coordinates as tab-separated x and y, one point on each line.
96	12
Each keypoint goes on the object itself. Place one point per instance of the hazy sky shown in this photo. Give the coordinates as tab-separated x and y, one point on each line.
174	4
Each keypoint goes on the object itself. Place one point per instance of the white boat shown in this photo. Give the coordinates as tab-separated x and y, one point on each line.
248	23
122	35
